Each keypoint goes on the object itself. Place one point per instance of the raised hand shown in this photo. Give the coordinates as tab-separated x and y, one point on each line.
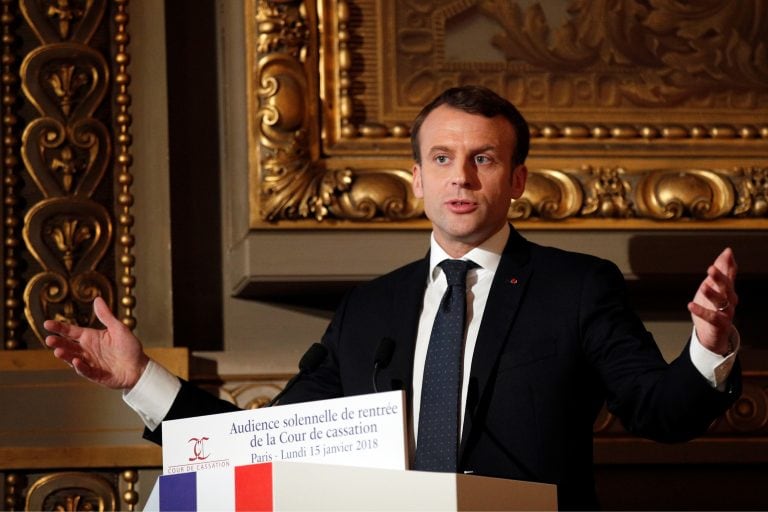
714	304
112	357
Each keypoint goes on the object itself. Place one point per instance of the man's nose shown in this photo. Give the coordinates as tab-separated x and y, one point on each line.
462	173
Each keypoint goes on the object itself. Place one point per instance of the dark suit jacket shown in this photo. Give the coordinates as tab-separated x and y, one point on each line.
556	342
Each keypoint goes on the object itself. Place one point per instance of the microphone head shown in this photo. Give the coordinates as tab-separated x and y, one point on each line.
313	357
384	353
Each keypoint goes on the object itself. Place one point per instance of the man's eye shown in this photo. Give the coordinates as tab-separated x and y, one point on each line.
441	159
482	159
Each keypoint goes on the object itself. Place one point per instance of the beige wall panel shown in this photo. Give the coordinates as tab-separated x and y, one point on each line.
154	312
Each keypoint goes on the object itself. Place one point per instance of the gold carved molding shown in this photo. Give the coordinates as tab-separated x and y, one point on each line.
748	417
649	120
72	491
65	92
738	435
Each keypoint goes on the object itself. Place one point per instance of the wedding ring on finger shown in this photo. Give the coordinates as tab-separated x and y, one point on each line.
724	306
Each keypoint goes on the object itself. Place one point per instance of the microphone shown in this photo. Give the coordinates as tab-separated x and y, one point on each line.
382	358
309	362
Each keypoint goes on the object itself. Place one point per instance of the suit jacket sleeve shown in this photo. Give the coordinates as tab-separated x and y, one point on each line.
663	402
322	383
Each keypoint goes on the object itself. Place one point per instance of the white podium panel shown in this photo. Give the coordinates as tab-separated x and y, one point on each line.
283	486
347	454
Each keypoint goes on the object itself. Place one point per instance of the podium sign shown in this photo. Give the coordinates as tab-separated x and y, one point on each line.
363	430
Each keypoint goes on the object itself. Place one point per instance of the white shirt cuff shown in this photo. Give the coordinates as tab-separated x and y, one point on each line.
714	367
153	394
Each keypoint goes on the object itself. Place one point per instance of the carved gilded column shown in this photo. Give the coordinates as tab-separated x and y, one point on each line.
67	150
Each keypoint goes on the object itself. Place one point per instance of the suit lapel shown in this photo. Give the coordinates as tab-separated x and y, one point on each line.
407	299
507	289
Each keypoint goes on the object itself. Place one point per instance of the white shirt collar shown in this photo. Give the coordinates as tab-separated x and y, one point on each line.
487	255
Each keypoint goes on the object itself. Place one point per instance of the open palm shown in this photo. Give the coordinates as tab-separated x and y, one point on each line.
112	357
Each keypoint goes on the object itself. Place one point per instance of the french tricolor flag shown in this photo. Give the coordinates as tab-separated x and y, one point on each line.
240	488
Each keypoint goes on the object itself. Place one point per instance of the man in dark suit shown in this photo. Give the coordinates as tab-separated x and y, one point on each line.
549	337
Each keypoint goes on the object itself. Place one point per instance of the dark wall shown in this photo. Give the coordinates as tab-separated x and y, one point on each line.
194	174
683	487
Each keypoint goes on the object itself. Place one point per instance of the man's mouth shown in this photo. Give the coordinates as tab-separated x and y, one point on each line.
461	205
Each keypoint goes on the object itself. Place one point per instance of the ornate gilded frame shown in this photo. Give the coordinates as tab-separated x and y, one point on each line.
642	117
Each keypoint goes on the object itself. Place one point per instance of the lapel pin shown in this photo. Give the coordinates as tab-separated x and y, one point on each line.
513	280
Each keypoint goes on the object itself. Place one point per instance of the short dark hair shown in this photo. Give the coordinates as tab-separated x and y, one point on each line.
475	99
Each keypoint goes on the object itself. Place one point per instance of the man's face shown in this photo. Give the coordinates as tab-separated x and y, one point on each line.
466	177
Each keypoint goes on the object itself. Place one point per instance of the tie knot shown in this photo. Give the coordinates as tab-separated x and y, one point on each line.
456	271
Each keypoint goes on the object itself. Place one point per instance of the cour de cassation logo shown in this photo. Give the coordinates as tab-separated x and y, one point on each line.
199	456
199	451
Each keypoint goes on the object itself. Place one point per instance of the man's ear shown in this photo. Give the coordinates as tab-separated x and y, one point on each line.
519	177
416	185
